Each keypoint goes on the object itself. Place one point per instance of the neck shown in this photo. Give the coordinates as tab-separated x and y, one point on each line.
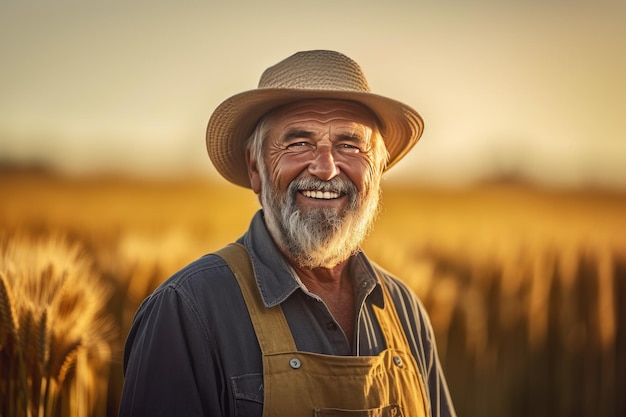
331	278
334	287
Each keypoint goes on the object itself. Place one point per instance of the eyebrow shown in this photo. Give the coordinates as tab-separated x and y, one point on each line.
352	137
297	133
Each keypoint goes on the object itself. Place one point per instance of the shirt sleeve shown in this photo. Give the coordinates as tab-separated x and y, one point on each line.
169	362
421	337
440	399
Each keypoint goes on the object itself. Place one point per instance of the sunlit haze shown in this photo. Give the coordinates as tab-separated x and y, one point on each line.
534	91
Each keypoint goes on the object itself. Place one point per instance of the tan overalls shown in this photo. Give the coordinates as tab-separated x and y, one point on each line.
310	384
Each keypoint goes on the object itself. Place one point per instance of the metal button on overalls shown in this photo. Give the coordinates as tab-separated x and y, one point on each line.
295	363
385	385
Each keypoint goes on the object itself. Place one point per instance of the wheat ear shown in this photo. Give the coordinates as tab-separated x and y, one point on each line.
8	323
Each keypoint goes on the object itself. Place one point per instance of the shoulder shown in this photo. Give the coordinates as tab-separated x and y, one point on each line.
192	302
204	274
402	295
411	312
193	291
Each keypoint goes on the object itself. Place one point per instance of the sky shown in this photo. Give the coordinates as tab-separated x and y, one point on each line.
529	89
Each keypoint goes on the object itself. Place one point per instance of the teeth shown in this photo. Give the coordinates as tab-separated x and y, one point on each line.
324	195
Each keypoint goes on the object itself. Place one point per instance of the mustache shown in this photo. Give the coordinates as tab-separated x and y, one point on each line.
337	185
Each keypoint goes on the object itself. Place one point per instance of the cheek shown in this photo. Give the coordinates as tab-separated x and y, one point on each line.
283	168
361	172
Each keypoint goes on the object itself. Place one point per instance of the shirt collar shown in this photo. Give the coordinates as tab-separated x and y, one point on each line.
275	278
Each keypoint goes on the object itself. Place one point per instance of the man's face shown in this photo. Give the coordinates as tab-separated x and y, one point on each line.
319	180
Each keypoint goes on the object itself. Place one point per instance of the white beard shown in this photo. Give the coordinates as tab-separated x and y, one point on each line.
323	237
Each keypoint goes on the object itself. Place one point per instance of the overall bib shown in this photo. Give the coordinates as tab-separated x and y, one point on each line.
310	384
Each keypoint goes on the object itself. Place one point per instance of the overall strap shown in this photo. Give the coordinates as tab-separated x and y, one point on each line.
389	320
270	325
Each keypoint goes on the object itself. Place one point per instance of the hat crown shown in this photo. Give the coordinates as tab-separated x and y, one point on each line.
316	70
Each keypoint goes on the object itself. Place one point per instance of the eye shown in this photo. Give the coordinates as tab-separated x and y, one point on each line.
348	148
297	145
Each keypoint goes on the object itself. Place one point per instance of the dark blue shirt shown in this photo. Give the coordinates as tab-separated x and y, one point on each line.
192	350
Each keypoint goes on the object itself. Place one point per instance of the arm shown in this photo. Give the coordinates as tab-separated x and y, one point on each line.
169	361
421	338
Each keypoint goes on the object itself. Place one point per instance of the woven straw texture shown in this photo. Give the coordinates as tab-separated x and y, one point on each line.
304	75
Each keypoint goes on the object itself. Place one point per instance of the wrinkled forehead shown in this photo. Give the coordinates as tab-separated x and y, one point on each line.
324	111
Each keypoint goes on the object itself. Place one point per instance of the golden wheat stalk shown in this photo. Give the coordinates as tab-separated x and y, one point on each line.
10	348
8	322
52	307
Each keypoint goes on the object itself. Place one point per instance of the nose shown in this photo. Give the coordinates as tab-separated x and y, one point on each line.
323	165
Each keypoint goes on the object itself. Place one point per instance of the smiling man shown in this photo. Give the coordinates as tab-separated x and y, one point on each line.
293	319
319	179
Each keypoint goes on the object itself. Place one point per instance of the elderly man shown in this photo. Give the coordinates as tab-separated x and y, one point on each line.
293	319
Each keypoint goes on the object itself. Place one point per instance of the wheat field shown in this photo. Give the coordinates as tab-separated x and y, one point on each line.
526	287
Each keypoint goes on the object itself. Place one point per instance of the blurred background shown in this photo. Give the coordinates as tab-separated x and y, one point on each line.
508	218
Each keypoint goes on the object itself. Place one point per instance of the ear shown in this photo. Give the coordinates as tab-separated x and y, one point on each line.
253	173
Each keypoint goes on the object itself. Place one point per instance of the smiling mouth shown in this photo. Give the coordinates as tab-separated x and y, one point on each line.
321	195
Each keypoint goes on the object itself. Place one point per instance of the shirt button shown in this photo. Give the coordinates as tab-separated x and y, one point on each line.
331	326
295	363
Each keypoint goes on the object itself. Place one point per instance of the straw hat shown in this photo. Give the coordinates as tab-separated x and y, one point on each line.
304	75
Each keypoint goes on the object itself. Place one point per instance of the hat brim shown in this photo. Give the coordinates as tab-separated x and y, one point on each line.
234	120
